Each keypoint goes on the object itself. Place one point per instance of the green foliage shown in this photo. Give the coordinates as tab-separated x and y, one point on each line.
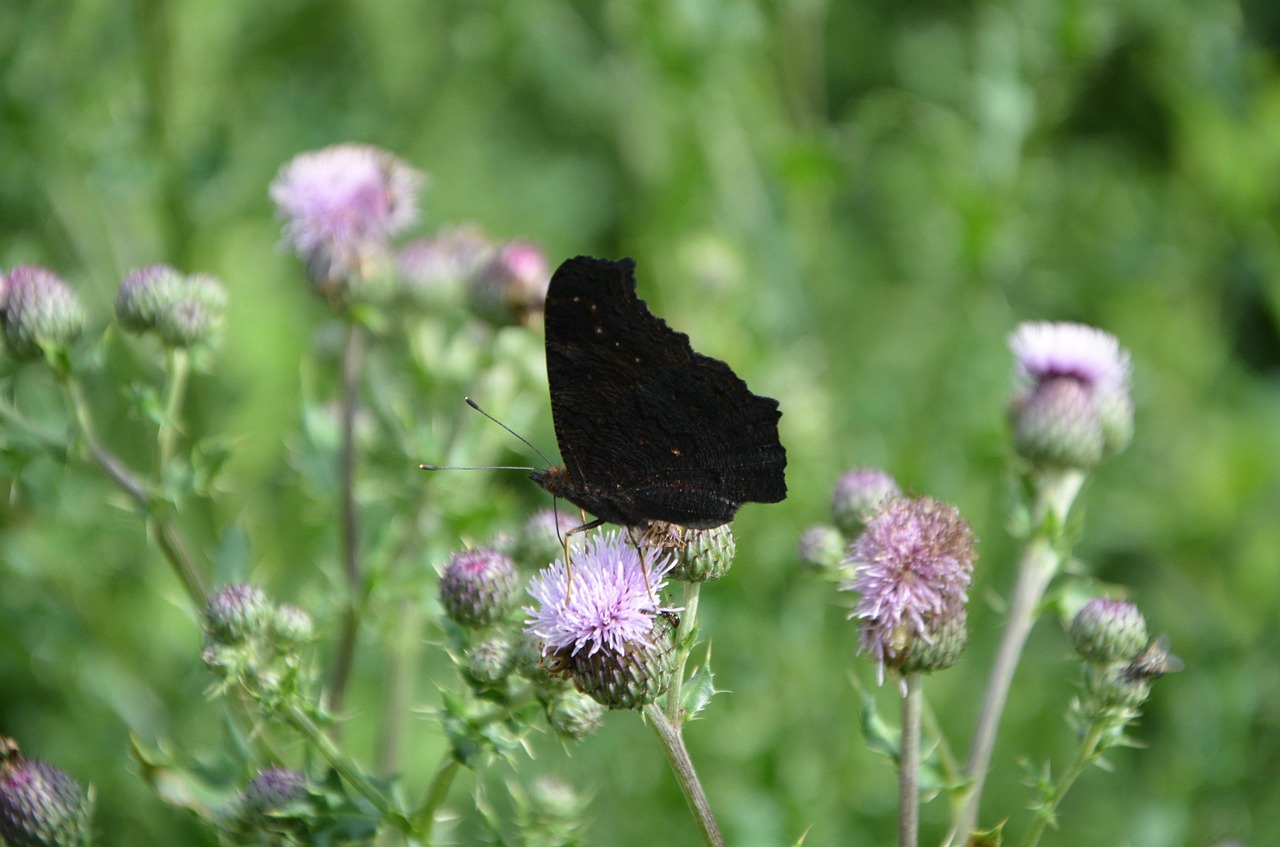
853	203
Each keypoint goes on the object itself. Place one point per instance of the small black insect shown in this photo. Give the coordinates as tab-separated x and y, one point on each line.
649	430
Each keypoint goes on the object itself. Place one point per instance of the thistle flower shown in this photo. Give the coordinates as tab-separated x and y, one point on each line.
435	268
511	286
40	806
341	205
41	315
912	568
821	547
605	629
1072	406
1106	631
478	587
858	495
237	613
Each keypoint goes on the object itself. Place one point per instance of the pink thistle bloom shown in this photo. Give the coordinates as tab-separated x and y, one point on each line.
342	204
608	605
912	566
1046	350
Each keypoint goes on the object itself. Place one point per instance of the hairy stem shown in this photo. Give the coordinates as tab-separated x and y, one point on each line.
352	355
678	757
909	764
1040	561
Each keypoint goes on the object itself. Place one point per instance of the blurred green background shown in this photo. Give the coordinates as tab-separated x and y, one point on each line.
854	203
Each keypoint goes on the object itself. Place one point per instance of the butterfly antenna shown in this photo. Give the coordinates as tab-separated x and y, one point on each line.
425	467
527	443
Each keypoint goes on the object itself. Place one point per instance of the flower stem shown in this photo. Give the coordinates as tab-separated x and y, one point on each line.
352	355
178	367
678	757
1047	811
909	764
1040	561
347	769
685	635
167	536
425	816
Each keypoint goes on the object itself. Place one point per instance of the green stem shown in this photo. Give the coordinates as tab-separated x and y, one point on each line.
678	757
1048	811
347	769
909	764
178	367
167	536
400	684
1041	559
352	355
424	818
685	635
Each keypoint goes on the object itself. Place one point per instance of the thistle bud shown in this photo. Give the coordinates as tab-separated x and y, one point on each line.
490	660
273	788
511	286
478	587
858	495
40	806
41	314
701	555
1106	631
145	295
574	715
630	679
821	547
539	541
237	613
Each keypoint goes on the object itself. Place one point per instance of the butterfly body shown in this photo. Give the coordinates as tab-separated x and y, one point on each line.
649	429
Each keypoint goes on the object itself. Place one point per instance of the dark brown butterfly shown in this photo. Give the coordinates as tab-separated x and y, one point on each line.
649	429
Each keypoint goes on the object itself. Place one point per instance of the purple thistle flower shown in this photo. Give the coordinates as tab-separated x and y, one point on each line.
1072	406
1045	350
511	286
912	568
40	805
609	605
342	204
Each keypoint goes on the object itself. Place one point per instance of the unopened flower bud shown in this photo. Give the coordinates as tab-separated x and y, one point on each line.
574	715
478	587
41	314
539	542
1106	631
858	495
821	547
511	286
145	295
292	626
273	788
237	613
40	806
701	555
490	660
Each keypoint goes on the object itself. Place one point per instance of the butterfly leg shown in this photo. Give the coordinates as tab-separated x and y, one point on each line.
568	566
644	566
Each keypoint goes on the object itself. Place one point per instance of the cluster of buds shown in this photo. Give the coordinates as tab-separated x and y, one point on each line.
258	645
183	310
39	313
1120	662
40	806
859	494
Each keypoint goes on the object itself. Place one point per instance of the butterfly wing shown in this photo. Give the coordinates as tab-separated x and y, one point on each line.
659	430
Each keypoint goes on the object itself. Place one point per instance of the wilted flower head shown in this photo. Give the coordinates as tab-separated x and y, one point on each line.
912	568
478	587
511	286
341	205
41	314
40	806
1072	406
858	495
603	626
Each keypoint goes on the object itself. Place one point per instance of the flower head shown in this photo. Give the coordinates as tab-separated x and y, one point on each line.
608	606
511	286
1106	630
912	568
41	314
40	805
858	495
273	788
478	587
1072	406
341	205
434	268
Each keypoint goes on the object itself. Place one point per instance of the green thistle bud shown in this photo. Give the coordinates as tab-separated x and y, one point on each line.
1057	424
821	547
574	715
550	815
858	496
511	286
40	806
41	314
702	555
625	680
1115	416
145	295
935	651
490	660
291	626
539	540
237	613
478	587
1106	631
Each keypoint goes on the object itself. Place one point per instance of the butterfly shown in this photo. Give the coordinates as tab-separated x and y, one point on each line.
649	430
